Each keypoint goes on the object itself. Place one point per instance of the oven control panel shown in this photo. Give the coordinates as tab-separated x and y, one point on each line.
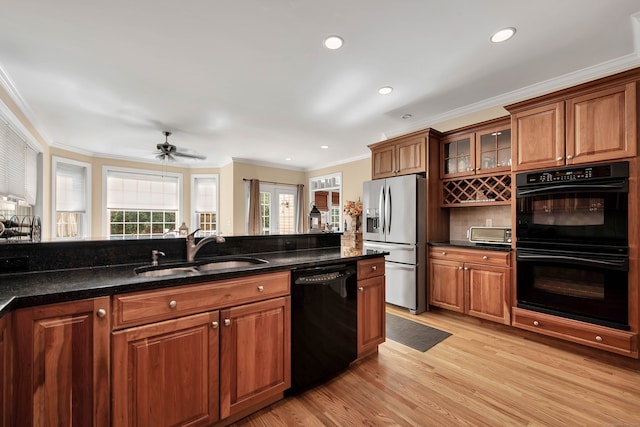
572	174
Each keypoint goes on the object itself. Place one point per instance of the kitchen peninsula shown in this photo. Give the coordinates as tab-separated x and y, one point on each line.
78	324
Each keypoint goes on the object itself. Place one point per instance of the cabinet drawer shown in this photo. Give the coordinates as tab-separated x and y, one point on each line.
613	340
151	306
478	256
370	268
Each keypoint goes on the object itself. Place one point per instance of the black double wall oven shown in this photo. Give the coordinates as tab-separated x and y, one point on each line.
572	255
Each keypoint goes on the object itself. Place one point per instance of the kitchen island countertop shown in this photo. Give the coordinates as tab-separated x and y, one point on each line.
19	290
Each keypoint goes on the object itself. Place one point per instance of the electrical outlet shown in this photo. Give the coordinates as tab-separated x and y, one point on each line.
489	222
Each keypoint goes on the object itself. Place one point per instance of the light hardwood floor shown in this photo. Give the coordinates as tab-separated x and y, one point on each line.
485	374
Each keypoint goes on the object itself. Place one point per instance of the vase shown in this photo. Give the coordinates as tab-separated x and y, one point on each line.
355	224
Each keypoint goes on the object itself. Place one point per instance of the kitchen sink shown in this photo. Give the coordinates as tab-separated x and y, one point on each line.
199	267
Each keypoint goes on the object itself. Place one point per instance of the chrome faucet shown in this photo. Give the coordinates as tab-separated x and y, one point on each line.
193	248
154	256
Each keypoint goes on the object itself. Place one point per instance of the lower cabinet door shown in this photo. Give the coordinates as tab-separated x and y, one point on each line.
488	293
166	373
61	371
255	354
371	314
446	284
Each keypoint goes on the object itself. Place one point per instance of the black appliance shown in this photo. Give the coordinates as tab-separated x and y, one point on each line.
572	242
324	323
574	205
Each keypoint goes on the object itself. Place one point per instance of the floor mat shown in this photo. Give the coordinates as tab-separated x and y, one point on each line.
412	334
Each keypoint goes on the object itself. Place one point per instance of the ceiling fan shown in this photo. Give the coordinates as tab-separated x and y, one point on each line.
168	151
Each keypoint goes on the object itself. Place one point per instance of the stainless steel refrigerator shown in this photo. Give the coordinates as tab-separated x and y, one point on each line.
394	212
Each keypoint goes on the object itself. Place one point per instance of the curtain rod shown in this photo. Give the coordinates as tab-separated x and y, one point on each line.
271	182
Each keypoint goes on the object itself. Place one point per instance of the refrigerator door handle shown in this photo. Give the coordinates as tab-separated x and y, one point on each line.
387	210
381	207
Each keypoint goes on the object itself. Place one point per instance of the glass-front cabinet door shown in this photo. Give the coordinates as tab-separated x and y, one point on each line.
494	150
458	155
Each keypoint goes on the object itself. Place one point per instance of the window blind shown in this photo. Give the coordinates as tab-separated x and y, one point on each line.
18	166
206	194
71	188
128	190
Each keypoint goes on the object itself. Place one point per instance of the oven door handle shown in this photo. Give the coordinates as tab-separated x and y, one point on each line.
619	187
620	264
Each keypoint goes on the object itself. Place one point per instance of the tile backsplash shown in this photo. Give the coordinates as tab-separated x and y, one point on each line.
460	219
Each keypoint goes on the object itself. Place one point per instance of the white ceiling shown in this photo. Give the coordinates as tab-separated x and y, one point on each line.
250	79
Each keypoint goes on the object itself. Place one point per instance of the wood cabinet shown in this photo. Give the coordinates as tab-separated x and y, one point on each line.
166	373
62	364
193	355
612	340
371	305
401	156
475	282
255	355
5	370
592	126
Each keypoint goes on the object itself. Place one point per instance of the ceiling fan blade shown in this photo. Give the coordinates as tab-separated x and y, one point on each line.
189	155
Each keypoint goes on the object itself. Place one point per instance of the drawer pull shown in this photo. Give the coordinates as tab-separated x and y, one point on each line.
101	312
374	267
173	304
485	257
466	268
360	289
214	325
444	253
569	157
558	158
260	288
227	322
536	323
460	268
598	338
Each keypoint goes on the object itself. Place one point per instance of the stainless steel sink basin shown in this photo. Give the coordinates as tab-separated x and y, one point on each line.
201	267
230	263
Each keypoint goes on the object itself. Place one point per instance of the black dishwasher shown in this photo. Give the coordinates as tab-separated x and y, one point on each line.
324	323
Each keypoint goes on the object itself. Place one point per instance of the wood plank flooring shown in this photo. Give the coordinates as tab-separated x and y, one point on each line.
485	374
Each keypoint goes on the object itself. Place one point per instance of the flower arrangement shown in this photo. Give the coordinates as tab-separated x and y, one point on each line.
353	209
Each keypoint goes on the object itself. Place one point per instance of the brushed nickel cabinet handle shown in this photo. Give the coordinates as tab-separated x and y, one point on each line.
101	312
214	325
485	257
361	289
444	253
569	157
374	267
173	304
536	323
227	322
598	338
260	288
558	158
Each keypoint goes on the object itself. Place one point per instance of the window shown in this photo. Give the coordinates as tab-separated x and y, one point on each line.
71	198
141	203
326	193
19	172
277	208
205	203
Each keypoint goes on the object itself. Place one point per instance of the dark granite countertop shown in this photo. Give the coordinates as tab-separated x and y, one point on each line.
44	287
470	245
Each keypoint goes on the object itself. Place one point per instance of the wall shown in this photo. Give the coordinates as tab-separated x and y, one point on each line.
463	218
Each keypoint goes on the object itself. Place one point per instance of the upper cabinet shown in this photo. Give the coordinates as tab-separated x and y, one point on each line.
597	122
477	151
401	156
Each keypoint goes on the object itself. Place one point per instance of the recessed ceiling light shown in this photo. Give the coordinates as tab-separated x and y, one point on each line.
385	90
502	35
406	116
324	147
333	42
287	158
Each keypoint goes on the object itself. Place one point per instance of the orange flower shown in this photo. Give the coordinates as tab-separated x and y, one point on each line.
353	209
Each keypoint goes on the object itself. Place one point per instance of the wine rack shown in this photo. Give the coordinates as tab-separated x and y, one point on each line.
27	228
486	190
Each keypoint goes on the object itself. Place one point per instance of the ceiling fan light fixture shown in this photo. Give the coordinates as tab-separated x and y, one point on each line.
502	35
